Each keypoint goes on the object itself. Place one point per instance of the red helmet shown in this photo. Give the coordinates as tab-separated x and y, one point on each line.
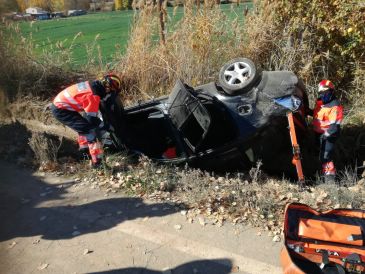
112	82
325	85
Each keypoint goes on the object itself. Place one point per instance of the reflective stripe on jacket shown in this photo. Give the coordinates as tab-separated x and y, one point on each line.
327	117
78	97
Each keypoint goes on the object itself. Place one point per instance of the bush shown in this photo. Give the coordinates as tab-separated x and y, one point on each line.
317	39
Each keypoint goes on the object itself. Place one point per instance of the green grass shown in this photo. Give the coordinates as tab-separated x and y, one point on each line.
113	29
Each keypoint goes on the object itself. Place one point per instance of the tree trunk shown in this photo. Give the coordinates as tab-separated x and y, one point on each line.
162	22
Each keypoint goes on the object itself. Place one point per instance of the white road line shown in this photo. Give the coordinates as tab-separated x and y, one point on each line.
194	248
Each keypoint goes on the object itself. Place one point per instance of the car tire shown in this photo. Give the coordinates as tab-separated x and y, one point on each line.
238	76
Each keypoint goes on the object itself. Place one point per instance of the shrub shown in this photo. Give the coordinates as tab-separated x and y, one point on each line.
317	39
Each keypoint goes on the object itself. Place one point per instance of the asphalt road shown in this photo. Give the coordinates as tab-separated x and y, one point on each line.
51	224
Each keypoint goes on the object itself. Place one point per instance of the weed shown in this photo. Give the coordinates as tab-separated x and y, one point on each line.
45	148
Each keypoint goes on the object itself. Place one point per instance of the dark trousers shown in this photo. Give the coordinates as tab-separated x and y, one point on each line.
326	148
75	121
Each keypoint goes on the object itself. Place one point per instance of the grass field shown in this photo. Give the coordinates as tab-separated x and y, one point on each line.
112	29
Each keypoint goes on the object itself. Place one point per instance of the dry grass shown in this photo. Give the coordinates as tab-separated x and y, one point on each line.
194	51
45	150
236	198
25	73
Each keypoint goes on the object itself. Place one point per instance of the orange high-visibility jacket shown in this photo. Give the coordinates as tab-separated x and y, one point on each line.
327	117
78	97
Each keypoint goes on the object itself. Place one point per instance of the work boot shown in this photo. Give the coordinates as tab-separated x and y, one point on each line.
97	165
84	154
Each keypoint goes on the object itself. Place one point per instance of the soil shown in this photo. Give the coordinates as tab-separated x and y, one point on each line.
52	224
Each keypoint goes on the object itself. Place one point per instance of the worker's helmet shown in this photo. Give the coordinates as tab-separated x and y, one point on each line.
112	82
326	91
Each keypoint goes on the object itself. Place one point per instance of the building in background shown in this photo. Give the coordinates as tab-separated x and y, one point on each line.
38	13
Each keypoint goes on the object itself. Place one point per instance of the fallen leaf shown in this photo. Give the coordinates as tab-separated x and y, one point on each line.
42	266
202	221
235	269
86	251
42	218
12	244
276	238
76	233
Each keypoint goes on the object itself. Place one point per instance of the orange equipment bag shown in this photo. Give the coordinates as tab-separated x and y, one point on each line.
328	242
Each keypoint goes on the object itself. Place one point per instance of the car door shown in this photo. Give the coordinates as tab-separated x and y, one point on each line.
188	115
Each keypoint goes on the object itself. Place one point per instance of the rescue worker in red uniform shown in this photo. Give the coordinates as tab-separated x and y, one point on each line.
327	118
86	97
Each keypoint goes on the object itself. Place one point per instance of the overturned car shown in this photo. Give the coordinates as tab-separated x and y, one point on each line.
229	124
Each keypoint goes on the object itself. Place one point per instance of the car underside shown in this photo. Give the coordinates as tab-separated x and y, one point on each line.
209	128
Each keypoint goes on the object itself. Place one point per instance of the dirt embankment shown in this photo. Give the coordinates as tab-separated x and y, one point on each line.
21	120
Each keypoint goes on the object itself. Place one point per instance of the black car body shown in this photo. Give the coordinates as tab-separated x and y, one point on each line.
209	128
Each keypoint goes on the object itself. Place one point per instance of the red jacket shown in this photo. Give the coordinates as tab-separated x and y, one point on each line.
327	118
78	97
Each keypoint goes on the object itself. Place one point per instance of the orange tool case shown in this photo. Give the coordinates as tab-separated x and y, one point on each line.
323	242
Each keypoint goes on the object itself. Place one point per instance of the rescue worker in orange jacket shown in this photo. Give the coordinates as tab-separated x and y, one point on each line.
86	97
327	118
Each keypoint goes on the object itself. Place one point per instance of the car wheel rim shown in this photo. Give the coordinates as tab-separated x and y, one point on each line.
237	73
